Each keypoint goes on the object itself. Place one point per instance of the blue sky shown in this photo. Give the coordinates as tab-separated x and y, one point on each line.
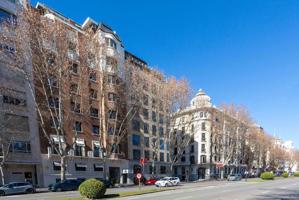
244	52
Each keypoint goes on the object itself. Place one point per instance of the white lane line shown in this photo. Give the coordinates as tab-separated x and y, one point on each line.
265	192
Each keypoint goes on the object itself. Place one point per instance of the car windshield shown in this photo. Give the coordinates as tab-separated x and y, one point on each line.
165	179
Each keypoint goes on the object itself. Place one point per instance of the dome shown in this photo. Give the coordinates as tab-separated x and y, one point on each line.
201	100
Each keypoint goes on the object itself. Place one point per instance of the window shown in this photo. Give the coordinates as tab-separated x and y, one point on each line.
136	154
74	68
167	157
146	142
52	81
203	148
152	169
7	48
145	100
154	117
145	127
192	160
94	112
20	147
162	144
75	107
136	140
203	159
79	150
161	131
14	101
161	157
147	155
96	149
111	80
201	114
183	159
93	76
111	43
136	125
112	96
161	106
95	130
183	130
74	88
162	170
77	126
98	168
111	130
6	17
112	114
93	94
203	126
145	113
161	121
56	166
192	149
154	103
54	123
80	167
154	130
203	137
54	102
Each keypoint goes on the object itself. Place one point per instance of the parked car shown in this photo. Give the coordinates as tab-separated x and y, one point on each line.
234	177
168	181
151	181
16	188
107	183
67	185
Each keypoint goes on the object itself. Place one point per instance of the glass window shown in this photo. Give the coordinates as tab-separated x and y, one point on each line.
145	100
93	76
111	43
112	114
147	155
162	144
162	170
78	150
145	127
111	79
94	112
136	125
154	130
20	147
161	157
74	88
77	126
14	101
95	129
136	140
93	94
74	68
6	17
112	96
154	117
75	107
161	119
203	126
54	102
203	137
161	131
145	113
136	154
96	151
146	142
203	148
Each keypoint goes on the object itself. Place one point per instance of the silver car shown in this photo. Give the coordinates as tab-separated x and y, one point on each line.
234	177
16	188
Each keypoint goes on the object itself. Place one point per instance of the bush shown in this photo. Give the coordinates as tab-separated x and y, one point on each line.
92	189
285	174
296	174
267	176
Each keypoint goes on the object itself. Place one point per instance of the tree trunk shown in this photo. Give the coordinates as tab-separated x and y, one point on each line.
153	167
2	174
63	166
222	173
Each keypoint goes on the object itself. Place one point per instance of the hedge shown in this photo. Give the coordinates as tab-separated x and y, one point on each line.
296	174
285	174
92	189
267	176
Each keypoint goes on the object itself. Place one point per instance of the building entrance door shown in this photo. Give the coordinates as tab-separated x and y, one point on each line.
201	172
114	174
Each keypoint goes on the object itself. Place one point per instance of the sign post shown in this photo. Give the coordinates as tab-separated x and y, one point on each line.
139	176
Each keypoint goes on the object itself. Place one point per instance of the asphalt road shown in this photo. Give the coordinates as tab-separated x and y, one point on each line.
285	189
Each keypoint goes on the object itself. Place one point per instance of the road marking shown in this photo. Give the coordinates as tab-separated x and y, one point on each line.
265	192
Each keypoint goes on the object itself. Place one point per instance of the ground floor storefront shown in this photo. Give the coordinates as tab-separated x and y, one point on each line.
22	172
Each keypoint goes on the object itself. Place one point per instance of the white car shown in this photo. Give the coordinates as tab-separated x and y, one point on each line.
168	181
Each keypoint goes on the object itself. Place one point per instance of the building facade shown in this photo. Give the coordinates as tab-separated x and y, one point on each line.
215	143
19	141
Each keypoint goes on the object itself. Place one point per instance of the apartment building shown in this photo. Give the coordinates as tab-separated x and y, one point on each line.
148	138
94	87
208	146
19	141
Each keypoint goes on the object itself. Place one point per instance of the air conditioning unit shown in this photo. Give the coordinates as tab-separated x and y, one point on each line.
71	152
90	154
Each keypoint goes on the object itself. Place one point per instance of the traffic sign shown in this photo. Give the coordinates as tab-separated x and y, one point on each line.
139	176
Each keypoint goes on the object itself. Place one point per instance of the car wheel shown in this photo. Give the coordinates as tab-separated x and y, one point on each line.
2	193
29	191
58	190
166	185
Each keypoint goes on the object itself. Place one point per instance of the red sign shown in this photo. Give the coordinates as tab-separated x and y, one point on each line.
142	161
219	165
139	176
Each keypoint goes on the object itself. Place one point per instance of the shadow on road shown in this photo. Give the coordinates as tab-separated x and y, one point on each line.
280	194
